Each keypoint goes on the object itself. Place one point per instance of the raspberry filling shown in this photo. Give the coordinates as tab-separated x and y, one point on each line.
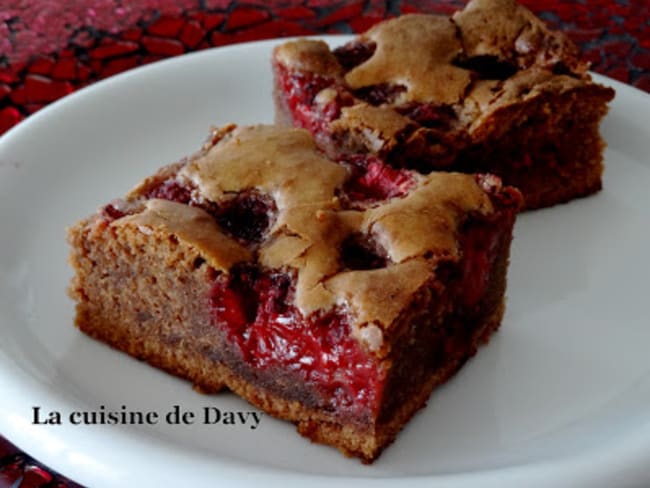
301	89
247	216
171	190
300	92
480	242
372	179
112	212
353	54
358	252
254	310
313	107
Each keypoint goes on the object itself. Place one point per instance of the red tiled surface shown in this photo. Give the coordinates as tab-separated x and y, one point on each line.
17	470
49	48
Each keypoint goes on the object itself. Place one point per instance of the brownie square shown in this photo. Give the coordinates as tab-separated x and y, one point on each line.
489	90
333	294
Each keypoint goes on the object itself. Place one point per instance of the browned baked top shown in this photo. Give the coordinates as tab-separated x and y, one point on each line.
414	231
491	54
415	51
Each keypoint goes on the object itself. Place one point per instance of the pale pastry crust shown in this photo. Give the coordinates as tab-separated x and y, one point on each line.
417	231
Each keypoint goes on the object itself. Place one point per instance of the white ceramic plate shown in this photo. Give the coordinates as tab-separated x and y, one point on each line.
561	396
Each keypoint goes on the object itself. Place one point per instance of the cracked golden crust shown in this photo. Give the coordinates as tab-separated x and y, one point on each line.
379	127
425	54
512	33
422	52
416	231
426	221
415	51
191	225
313	56
283	163
379	295
489	96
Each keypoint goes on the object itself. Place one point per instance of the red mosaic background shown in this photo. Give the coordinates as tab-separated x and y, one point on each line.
50	48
